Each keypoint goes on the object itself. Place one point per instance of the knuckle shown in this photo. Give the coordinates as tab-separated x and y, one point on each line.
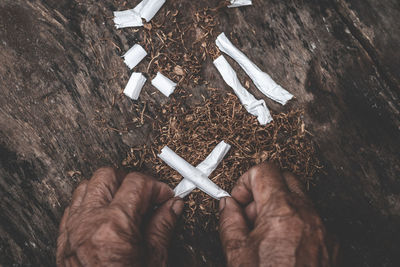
293	224
137	176
105	171
82	184
106	232
235	244
296	223
111	232
138	179
99	192
255	170
264	166
228	222
290	175
266	172
117	213
124	221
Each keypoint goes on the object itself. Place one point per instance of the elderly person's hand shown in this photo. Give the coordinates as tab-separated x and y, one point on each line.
114	221
270	222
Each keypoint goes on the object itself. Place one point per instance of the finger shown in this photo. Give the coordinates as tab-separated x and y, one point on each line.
72	261
62	238
251	212
101	187
259	183
242	191
233	229
78	196
294	184
64	219
160	230
139	192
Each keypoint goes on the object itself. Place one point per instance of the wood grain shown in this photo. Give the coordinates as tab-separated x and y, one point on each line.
62	114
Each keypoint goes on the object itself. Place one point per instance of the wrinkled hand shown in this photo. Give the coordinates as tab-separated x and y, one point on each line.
270	222
113	222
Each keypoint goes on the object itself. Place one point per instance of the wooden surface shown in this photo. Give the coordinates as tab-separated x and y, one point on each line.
61	77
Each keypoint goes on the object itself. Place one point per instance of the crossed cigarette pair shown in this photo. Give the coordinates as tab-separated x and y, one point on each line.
197	176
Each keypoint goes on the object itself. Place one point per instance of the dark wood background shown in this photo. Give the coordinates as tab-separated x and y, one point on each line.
60	75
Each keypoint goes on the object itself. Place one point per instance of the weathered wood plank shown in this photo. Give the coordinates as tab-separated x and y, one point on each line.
61	76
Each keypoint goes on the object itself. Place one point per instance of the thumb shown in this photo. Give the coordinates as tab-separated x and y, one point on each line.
233	228
160	229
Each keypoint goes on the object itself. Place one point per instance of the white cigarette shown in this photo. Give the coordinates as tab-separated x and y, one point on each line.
261	79
206	167
163	84
238	3
134	56
127	18
146	9
151	8
191	173
134	85
253	106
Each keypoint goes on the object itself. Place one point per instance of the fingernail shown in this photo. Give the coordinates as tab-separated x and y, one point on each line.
222	203
177	207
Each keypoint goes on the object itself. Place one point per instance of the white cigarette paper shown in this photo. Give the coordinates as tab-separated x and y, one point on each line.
134	56
191	173
206	167
127	18
238	3
146	9
134	85
150	8
261	79
163	84
253	106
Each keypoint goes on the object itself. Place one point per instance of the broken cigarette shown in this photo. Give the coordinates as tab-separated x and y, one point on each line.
134	85
146	9
134	56
206	167
163	84
261	79
238	3
150	8
253	106
191	173
127	18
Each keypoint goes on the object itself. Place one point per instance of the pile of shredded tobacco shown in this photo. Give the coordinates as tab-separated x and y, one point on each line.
178	44
192	131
